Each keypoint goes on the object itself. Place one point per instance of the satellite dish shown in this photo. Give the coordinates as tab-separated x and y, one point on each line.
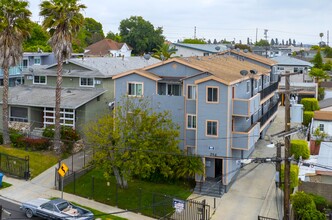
238	49
253	72
244	72
31	69
147	56
245	50
217	48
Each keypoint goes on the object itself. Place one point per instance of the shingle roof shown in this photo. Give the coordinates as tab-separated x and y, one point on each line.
102	48
45	96
291	61
325	103
323	115
226	68
211	48
110	66
251	56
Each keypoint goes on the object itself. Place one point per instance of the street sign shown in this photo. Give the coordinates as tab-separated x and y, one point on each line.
63	169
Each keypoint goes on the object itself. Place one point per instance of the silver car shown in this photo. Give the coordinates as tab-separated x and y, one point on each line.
55	209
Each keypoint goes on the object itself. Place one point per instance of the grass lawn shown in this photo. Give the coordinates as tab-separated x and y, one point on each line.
39	161
139	197
5	185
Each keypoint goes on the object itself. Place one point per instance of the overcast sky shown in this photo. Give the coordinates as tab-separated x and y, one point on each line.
301	20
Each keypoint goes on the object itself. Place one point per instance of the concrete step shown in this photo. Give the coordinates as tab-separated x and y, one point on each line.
209	188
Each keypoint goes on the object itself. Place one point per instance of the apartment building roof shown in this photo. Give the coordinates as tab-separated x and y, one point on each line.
251	56
323	115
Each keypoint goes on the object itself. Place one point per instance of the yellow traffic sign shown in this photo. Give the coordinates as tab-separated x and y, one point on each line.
63	169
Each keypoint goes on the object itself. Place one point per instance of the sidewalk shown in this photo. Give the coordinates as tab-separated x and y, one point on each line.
42	186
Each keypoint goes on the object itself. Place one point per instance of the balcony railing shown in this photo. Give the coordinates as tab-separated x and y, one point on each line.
268	114
246	107
247	139
268	90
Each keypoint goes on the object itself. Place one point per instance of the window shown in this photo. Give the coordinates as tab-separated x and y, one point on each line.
18	114
135	89
255	83
211	128
212	94
206	54
37	60
296	69
191	92
39	80
321	127
173	89
88	82
248	86
191	121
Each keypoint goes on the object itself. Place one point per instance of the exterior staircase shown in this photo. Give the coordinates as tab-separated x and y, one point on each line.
211	187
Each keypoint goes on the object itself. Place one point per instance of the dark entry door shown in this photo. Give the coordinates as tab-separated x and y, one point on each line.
218	168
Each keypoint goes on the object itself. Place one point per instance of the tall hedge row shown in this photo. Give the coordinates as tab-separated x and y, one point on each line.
300	148
310	104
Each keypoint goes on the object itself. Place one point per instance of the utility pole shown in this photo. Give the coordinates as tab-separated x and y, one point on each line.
287	150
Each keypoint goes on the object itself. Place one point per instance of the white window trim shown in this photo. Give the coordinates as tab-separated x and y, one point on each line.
207	94
248	87
194	88
37	83
206	126
34	60
93	83
192	116
136	83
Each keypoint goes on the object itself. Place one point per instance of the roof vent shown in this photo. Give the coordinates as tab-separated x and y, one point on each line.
245	50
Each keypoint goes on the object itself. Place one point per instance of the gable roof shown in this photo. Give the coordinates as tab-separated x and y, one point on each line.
140	72
251	56
103	47
176	60
291	61
211	48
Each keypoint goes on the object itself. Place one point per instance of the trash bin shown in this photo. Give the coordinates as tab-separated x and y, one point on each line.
1	175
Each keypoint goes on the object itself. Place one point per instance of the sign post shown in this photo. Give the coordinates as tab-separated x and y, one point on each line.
62	171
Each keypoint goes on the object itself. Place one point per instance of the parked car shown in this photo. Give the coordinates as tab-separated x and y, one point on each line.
55	209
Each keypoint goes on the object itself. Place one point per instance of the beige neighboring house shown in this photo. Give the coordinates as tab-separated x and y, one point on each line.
108	47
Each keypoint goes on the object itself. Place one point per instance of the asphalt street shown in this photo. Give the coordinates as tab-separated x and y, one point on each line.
14	210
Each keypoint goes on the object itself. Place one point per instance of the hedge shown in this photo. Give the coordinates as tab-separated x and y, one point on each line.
307	116
310	104
300	148
294	176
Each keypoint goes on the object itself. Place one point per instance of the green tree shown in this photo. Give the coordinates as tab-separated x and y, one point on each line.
318	74
94	31
140	34
37	40
193	41
294	173
317	60
164	52
135	141
63	20
328	52
243	47
299	148
114	36
262	43
14	28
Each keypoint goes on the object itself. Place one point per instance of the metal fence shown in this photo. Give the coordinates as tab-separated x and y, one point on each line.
15	166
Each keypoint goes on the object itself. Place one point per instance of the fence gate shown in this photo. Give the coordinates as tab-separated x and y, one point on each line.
15	166
166	207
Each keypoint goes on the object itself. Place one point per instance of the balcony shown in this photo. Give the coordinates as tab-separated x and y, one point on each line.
246	107
264	118
247	139
268	90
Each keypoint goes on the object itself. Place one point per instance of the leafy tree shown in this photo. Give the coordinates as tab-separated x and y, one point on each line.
14	28
262	43
304	207
193	41
294	42
94	31
140	34
317	60
116	37
290	42
215	41
327	66
318	74
277	41
328	52
283	42
37	40
135	141
164	52
63	20
272	42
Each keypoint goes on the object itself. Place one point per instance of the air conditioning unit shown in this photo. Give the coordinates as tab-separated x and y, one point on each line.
98	82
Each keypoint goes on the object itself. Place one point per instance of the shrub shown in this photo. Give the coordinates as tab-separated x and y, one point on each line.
310	104
300	148
1	138
307	116
320	202
294	173
36	143
321	93
304	207
15	138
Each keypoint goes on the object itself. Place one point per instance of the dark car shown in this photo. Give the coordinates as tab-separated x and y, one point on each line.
55	209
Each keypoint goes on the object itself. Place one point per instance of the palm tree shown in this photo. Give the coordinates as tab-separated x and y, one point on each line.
164	52
62	19
14	28
321	35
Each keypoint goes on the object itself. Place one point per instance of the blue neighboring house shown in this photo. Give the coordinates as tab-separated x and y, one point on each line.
223	104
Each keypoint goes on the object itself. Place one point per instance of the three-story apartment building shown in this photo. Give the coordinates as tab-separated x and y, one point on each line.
222	103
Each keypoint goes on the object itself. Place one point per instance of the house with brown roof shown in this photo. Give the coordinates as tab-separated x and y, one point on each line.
221	103
108	47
